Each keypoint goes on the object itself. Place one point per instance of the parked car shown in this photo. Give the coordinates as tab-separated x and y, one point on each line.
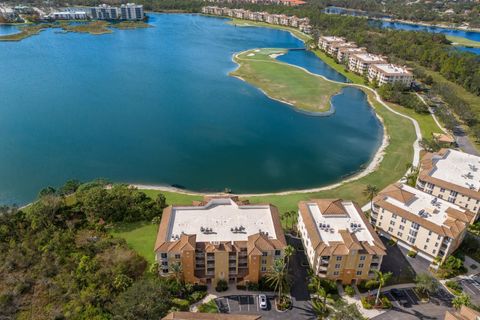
262	301
400	296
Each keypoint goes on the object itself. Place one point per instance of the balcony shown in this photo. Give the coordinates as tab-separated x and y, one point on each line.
210	258
200	255
243	265
232	265
323	268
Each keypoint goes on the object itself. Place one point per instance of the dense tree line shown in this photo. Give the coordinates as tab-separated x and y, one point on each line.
57	260
400	95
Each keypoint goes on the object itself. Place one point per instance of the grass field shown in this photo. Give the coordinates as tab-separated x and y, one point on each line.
246	23
25	32
94	27
284	82
460	41
140	236
428	126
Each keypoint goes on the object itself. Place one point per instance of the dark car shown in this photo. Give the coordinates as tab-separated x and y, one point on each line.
400	296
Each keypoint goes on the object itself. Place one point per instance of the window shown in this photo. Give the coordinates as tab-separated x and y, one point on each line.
337	266
165	263
425	247
163	255
264	261
381	217
453	193
404	220
264	254
362	258
439	237
359	273
399	234
339	258
413	233
434	251
442	189
429	233
428	240
436	244
392	223
336	273
401	227
394	216
415	226
360	265
278	252
390	229
177	256
410	239
264	269
165	270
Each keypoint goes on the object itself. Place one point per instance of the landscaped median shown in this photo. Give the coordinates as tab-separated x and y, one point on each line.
285	82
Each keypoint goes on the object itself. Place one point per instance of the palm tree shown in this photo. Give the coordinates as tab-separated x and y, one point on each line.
287	215
370	191
177	271
288	252
461	300
426	284
381	279
277	276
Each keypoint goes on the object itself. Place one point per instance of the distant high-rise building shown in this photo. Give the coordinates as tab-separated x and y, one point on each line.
132	11
105	12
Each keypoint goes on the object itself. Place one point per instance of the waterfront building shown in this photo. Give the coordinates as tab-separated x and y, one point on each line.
465	313
359	62
345	52
390	73
339	242
220	239
69	15
131	11
325	41
452	175
333	48
421	222
104	12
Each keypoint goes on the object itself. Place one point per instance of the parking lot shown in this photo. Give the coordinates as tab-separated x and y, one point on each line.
248	304
471	286
412	308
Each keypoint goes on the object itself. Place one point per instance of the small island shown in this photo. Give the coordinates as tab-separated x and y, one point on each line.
286	83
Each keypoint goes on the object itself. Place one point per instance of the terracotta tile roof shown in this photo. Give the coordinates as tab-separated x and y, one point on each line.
350	241
209	316
465	313
394	191
427	164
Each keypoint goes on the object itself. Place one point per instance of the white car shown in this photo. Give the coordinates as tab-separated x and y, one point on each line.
262	301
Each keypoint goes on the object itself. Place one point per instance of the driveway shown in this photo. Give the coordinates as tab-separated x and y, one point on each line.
414	309
471	286
397	263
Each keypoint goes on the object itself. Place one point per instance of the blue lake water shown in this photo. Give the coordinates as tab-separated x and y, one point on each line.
156	106
7	29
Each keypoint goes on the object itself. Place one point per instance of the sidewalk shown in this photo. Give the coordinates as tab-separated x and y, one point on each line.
368	313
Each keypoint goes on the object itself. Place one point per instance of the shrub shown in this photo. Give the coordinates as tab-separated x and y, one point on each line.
221	286
391	242
349	291
197	296
181	304
412	254
386	304
454	287
209	307
366	303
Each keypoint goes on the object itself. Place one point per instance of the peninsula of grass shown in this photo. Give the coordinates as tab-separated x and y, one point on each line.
25	32
284	82
247	23
94	27
127	25
464	42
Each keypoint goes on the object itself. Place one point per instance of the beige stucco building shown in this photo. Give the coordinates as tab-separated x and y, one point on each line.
453	176
432	227
360	62
220	238
390	74
339	242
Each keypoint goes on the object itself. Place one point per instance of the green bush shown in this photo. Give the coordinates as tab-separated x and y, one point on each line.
209	307
197	296
366	303
391	242
454	286
181	304
349	291
386	304
412	254
221	286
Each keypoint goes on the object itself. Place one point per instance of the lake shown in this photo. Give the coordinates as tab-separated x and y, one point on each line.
156	106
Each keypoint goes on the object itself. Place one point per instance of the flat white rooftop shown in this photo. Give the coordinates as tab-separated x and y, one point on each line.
425	206
329	225
220	216
368	57
332	38
459	168
392	69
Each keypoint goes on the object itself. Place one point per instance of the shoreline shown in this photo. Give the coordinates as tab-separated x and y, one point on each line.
427	24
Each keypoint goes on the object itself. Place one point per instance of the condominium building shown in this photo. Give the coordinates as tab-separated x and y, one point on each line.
465	313
105	12
220	239
333	48
390	73
325	41
419	221
359	62
339	242
69	15
452	175
131	11
344	53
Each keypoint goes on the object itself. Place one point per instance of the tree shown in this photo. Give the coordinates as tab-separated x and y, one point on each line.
47	191
287	215
69	187
161	201
380	280
345	311
370	191
426	284
277	276
288	251
177	271
461	300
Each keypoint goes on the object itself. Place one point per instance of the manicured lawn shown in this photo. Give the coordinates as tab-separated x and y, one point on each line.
460	41
140	236
340	68
246	23
425	120
285	82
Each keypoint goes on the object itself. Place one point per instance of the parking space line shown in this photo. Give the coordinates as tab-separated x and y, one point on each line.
409	297
240	303
466	286
256	301
228	305
392	298
248	303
